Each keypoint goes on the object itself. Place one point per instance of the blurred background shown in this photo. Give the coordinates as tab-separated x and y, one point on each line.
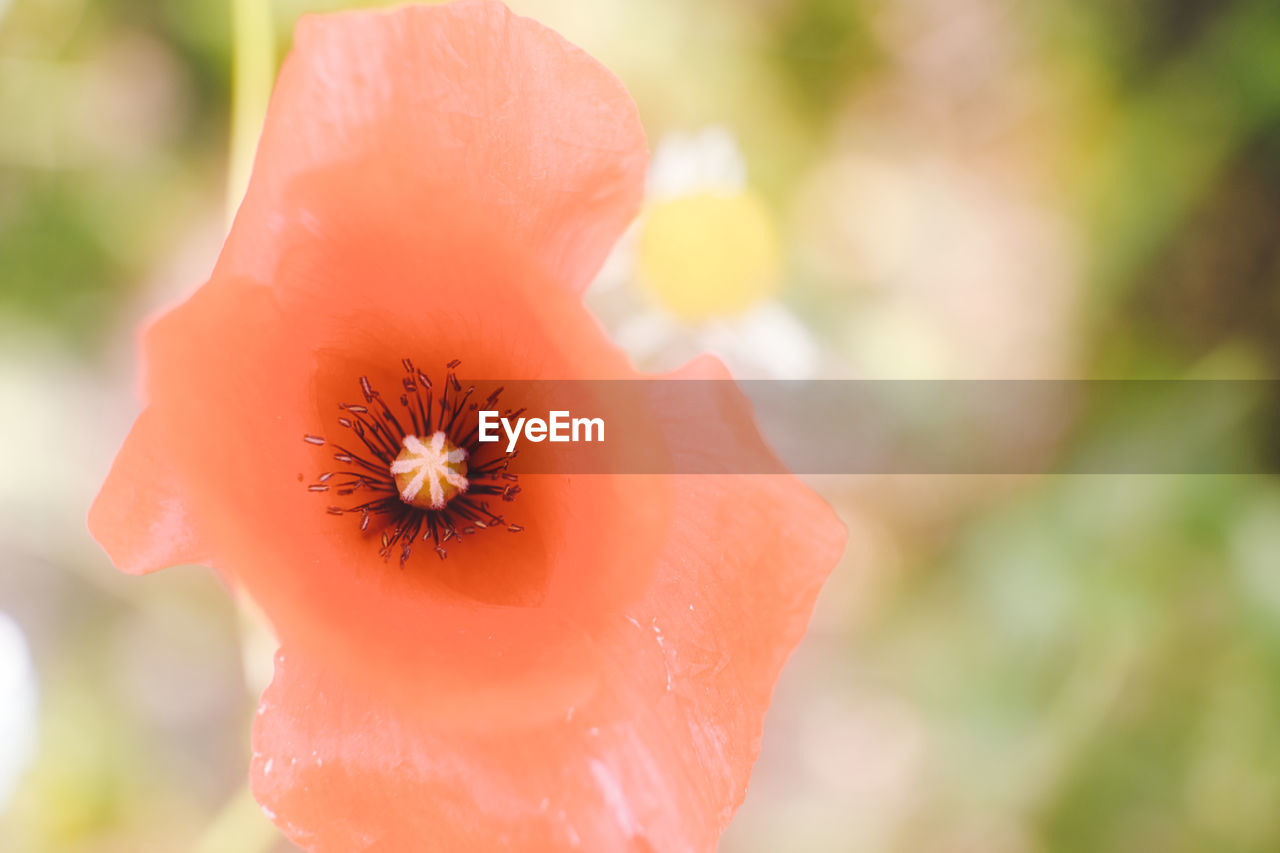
878	189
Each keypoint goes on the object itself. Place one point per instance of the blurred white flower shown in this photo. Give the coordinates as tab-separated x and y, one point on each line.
17	707
700	270
689	163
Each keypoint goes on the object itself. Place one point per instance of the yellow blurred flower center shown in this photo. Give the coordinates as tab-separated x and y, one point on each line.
709	255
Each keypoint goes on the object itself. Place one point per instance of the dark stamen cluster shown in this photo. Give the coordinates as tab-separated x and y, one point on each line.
381	434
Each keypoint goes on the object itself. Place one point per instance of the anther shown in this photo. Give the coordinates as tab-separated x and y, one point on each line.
418	465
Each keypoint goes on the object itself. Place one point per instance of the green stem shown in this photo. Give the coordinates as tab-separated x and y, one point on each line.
252	70
241	826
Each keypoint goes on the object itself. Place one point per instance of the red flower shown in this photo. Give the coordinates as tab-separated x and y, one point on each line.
590	666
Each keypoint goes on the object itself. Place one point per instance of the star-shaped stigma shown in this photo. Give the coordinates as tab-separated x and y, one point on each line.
438	465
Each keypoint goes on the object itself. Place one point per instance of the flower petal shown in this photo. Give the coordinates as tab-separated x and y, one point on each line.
655	758
139	517
461	106
501	623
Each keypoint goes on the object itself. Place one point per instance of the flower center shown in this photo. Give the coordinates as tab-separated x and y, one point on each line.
709	255
419	469
429	474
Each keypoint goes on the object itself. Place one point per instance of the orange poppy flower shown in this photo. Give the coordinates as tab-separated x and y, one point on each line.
590	664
